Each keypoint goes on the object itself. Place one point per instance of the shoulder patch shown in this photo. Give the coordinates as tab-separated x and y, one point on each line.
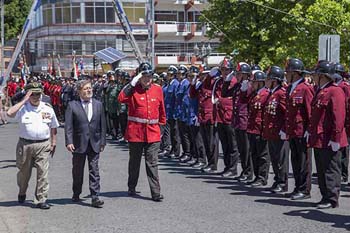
49	105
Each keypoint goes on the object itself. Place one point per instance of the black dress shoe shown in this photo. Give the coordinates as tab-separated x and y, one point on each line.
229	174
325	205
289	195
278	189
43	206
132	192
191	162
209	170
21	198
75	198
199	165
344	179
158	198
300	196
242	178
97	203
185	159
171	155
258	183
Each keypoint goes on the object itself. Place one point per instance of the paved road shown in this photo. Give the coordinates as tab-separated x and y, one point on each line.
194	203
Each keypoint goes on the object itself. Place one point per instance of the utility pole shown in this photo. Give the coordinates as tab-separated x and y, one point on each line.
2	39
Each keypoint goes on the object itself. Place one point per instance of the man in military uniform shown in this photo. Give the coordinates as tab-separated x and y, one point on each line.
326	133
181	106
298	112
108	86
165	145
273	123
122	107
146	112
37	141
113	92
258	145
170	101
239	97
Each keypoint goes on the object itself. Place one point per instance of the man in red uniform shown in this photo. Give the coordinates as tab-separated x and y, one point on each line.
274	122
298	105
146	112
258	148
203	89
326	133
239	103
345	86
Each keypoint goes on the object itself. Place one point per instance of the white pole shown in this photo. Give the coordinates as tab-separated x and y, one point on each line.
2	65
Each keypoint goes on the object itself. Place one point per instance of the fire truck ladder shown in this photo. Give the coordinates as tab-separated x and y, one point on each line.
118	7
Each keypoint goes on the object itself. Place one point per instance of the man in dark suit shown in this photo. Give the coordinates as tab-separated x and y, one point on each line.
85	132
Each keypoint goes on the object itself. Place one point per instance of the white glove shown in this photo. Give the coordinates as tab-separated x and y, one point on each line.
193	82
229	77
283	135
335	145
135	80
244	85
306	136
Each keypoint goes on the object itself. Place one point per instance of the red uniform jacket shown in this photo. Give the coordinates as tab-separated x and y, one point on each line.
346	88
298	110
223	108
274	114
328	117
144	105
205	106
240	108
256	112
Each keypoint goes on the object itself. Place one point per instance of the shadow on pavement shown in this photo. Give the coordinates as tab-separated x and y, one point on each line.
67	201
123	194
7	161
285	202
338	221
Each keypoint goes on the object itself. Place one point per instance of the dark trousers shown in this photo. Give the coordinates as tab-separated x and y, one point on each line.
115	124
328	165
174	137
108	123
185	136
279	152
123	120
165	140
243	148
229	147
345	162
198	145
301	164
211	143
78	172
150	150
260	156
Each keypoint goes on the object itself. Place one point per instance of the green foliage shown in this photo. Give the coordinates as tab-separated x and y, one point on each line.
16	12
266	36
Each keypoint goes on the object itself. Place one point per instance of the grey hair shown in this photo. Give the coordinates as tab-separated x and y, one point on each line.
80	84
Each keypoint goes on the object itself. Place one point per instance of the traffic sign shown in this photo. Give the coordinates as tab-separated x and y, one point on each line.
329	48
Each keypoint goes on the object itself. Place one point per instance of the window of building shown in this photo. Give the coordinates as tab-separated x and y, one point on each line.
165	16
47	16
89	12
58	13
100	45
76	13
110	13
90	47
136	12
100	12
66	13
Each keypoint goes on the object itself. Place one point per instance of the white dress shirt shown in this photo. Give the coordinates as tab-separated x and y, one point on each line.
294	85
35	122
89	103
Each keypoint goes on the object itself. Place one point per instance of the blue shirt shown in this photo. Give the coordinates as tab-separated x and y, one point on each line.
169	98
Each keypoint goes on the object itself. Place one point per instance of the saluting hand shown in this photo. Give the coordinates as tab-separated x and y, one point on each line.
70	148
27	96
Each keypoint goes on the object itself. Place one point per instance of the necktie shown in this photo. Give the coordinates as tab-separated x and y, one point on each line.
86	108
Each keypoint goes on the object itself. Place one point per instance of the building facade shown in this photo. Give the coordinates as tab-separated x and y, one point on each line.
63	26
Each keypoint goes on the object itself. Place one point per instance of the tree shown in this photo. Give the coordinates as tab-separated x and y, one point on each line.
16	12
267	31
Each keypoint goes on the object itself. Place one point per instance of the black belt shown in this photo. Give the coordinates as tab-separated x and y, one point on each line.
34	141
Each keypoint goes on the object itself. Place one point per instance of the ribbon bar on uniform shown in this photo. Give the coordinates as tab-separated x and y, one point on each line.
142	120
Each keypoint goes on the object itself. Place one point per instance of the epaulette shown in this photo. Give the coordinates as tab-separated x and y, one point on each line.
48	104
